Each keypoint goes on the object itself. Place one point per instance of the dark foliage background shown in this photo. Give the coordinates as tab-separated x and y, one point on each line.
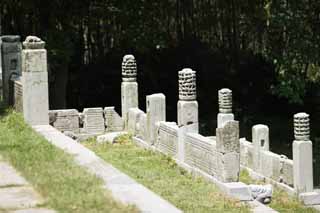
266	51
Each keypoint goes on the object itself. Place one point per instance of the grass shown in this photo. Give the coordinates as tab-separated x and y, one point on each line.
65	186
281	201
161	174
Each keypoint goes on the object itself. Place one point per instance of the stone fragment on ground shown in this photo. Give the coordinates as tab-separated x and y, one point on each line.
16	194
109	137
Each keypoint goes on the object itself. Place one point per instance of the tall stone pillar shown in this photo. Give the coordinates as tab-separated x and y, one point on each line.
187	104
188	121
11	62
129	87
302	154
35	82
225	107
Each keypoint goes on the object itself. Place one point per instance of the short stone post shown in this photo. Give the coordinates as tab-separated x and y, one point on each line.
129	87
228	151
302	154
187	104
156	112
35	82
260	141
11	62
225	107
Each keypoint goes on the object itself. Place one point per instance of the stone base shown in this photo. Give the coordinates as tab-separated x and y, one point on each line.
129	99
188	114
310	198
223	118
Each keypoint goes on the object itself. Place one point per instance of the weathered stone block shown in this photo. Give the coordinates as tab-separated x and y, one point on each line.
229	166
129	99
141	129
66	120
228	138
18	95
223	118
167	141
156	111
271	165
245	147
113	121
93	120
302	166
133	119
188	115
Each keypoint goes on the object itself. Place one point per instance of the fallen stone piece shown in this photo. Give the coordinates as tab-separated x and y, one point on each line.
109	137
9	176
261	193
19	198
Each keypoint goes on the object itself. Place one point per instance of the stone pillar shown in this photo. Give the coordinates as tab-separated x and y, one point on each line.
302	154
129	87
225	107
187	104
35	82
228	151
11	62
260	141
156	112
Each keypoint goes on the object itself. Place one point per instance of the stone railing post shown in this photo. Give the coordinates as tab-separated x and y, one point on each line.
11	62
129	87
187	104
302	154
225	107
35	82
260	141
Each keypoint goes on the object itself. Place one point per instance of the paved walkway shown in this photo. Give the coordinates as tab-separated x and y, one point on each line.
123	188
16	194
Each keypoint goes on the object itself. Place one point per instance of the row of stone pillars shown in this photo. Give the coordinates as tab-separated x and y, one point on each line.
188	118
32	66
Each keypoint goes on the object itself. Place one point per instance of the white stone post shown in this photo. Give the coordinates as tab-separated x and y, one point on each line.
35	82
302	154
156	112
187	104
225	107
129	87
260	141
11	62
188	121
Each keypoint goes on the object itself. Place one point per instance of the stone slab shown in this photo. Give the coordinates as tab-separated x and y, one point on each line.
19	198
93	120
310	198
113	120
257	207
121	186
223	118
9	176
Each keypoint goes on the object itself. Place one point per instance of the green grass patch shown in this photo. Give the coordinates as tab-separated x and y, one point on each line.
281	201
161	174
65	186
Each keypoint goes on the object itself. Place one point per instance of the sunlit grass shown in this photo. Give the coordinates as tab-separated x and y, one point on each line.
161	174
65	186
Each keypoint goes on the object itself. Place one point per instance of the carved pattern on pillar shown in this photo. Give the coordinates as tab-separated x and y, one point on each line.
187	85
225	100
129	69
301	127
